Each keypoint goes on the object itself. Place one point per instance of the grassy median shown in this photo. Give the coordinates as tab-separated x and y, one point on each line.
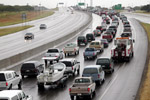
145	90
10	18
6	31
143	12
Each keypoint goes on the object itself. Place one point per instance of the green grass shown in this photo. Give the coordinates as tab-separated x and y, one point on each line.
145	90
143	12
6	31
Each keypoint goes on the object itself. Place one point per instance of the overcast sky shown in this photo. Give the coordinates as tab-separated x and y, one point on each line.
53	3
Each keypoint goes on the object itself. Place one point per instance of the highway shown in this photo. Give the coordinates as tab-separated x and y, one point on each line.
121	85
58	25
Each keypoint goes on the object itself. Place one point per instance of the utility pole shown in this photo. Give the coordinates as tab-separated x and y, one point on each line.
91	3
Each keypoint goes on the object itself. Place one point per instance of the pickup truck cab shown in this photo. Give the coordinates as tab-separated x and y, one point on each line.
71	65
82	86
14	95
97	45
96	72
71	48
9	79
53	54
90	53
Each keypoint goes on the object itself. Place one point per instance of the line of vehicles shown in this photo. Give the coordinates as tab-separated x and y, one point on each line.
58	67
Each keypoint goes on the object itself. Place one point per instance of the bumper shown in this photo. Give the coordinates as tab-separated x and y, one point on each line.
29	74
122	58
79	94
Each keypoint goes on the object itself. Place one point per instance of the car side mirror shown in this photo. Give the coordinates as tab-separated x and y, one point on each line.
78	62
17	75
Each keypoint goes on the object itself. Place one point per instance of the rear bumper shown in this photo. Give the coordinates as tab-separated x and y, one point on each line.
29	74
3	88
79	94
120	58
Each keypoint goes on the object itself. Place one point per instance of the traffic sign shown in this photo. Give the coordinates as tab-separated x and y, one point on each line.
81	4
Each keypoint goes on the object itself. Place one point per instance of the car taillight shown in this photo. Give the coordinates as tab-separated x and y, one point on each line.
74	49
56	56
35	70
110	65
83	53
72	67
6	84
98	76
93	54
89	89
84	40
69	89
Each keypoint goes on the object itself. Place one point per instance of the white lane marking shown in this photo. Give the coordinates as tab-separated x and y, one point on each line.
109	87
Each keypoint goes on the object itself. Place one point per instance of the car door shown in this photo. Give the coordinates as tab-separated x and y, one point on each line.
16	78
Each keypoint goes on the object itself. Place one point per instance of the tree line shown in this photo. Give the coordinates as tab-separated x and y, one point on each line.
144	8
15	8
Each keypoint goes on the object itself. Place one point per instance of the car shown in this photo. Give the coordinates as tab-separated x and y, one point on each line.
108	35
84	86
115	23
9	79
53	54
127	26
97	32
96	72
72	66
126	34
90	53
99	28
106	63
126	22
14	95
97	45
29	36
104	42
71	48
31	68
43	26
82	40
112	31
114	28
90	37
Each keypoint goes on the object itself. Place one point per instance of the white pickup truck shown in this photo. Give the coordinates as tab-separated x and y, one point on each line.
71	48
82	86
53	54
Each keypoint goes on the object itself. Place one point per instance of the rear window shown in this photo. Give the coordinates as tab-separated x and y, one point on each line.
102	61
82	80
2	77
81	38
90	71
3	99
28	66
89	35
52	51
67	63
89	49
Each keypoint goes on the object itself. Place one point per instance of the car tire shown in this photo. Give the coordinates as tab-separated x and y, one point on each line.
19	85
10	87
73	73
78	71
40	86
90	96
72	97
22	76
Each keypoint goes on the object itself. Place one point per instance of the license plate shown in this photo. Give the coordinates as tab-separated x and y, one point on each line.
79	94
27	70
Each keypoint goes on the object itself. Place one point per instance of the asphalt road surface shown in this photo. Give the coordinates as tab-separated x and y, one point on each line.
58	25
121	85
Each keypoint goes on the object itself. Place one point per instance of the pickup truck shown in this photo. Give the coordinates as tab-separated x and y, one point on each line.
71	66
82	86
71	48
90	53
53	54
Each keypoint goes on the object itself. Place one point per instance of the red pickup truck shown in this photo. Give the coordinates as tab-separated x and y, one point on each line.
108	36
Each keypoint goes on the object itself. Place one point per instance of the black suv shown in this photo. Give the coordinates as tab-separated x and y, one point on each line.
31	68
90	37
82	40
106	63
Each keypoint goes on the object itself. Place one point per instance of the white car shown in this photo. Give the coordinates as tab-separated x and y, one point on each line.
71	65
8	79
53	54
14	95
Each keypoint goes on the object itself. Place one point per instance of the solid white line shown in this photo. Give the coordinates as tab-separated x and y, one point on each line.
108	87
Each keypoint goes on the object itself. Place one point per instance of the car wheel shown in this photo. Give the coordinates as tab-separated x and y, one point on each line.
22	76
40	86
90	96
73	73
10	87
19	85
72	97
78	71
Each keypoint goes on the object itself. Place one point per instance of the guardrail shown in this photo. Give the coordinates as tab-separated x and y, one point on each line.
14	60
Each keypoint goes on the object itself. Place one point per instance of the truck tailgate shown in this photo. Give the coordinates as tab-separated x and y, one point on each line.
79	90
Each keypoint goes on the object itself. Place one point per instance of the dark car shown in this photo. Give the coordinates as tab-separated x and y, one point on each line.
100	28
127	30
29	36
106	63
126	34
81	40
90	37
126	22
104	42
97	32
31	68
113	27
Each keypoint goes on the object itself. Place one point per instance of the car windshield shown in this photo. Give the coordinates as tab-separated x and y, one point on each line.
89	35
90	71
67	63
28	66
52	51
28	33
81	38
82	80
102	61
2	77
89	49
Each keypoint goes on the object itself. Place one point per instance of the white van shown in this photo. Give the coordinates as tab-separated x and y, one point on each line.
14	95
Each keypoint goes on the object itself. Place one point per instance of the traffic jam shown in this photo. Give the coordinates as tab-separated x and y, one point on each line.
59	66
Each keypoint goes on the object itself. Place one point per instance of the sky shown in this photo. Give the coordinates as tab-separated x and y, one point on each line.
53	3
